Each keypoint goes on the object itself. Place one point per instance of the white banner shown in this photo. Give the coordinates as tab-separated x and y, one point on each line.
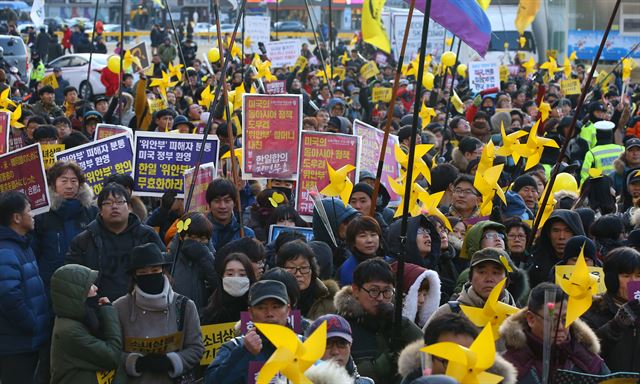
37	13
283	53
483	75
258	28
435	39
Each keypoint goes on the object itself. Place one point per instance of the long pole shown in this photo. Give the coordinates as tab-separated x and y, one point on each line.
93	34
121	74
453	80
277	20
397	323
315	37
387	127
583	95
330	29
182	60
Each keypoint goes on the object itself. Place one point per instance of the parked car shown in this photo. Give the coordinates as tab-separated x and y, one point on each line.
205	27
74	70
16	54
289	26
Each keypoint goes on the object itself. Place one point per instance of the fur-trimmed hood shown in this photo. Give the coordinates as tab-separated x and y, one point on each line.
85	196
410	358
458	160
432	302
346	304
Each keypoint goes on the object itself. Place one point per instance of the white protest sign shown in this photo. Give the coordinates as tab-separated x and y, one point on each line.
258	28
483	75
283	53
435	40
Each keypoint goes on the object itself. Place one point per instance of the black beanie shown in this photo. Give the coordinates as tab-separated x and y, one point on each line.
524	181
363	187
574	245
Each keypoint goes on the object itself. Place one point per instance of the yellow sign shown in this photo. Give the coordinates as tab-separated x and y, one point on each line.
156	105
381	94
50	80
105	377
339	72
48	152
161	344
213	336
552	53
565	271
369	70
301	62
570	87
504	73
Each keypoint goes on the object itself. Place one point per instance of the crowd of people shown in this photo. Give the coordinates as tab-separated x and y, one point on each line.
83	285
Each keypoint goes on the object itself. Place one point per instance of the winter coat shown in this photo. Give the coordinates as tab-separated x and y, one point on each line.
49	111
524	351
108	253
76	354
223	234
337	213
167	53
458	160
620	346
618	175
66	38
54	230
321	298
24	312
432	300
518	285
374	350
410	366
544	256
149	316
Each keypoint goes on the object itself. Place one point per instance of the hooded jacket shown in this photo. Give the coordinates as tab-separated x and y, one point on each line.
524	351
54	230
336	214
458	160
410	367
24	312
413	254
543	254
76	354
473	238
432	300
322	293
108	253
373	349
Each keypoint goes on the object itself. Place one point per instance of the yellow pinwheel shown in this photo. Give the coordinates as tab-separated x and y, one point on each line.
264	71
457	102
426	114
339	183
580	288
487	157
247	42
419	166
159	3
236	152
15	117
523	41
469	365
414	195
354	40
5	101
628	65
163	83
206	97
236	51
566	67
130	59
544	110
344	58
487	184
292	357
448	41
183	226
430	204
546	210
509	141
551	66
529	66
174	71
573	56
533	148
494	311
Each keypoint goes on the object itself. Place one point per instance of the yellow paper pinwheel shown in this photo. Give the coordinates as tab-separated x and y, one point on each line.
276	199
469	365
236	51
416	193
183	226
457	102
130	59
426	114
551	66
505	262
174	71
523	41
580	288
494	311
247	42
339	183
573	56
533	148
430	207
487	184
566	67
264	71
530	66
419	165
292	357
546	210
354	40
206	97
628	65
5	101
487	157
509	141
448	41
544	110
344	58
163	83
237	154
15	117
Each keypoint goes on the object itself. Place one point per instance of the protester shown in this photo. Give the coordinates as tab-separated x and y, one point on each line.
364	242
221	194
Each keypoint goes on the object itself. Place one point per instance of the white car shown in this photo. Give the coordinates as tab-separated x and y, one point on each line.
74	70
204	28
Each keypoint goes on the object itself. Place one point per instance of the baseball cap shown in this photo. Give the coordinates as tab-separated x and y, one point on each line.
597	106
267	289
632	142
337	326
490	254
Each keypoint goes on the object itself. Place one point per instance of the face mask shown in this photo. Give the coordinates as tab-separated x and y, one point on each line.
152	284
236	286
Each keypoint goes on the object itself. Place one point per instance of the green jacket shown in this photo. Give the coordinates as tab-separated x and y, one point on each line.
37	73
167	53
77	355
588	132
472	239
602	157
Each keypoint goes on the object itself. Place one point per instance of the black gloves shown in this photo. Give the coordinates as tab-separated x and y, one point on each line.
628	314
154	363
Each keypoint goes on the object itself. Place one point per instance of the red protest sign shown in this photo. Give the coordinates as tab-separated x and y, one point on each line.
23	170
271	126
5	118
316	149
276	87
205	176
107	130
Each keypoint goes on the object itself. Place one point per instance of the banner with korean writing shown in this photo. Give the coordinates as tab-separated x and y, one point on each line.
283	53
271	136
213	336
483	75
106	130
570	87
48	153
101	159
381	94
369	155
161	159
316	149
205	176
258	29
5	129
23	170
277	87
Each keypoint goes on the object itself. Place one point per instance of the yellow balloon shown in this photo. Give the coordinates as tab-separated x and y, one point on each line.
113	63
448	59
462	70
427	81
565	182
213	55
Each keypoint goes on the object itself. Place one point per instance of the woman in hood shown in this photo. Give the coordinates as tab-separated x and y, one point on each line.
423	242
86	339
447	270
330	225
422	293
364	242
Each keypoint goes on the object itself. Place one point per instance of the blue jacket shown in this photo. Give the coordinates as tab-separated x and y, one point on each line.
345	273
223	234
24	311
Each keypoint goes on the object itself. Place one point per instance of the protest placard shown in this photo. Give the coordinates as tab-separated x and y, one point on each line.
316	149
161	159
563	272
206	175
258	28
23	170
213	336
483	75
276	230
48	153
570	87
369	70
301	63
140	51
271	136
51	80
101	159
633	290
106	130
5	129
283	53
435	39
381	94
161	344
369	155
276	87
294	321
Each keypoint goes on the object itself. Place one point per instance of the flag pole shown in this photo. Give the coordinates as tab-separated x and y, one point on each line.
122	53
315	37
583	95
387	127
93	35
397	321
180	53
454	71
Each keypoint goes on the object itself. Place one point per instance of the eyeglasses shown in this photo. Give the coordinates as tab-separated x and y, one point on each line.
304	270
463	192
116	203
338	342
563	318
260	264
517	237
493	235
375	292
424	231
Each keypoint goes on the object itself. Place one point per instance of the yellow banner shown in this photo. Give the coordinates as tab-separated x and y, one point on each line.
161	344
570	87
105	377
50	80
369	70
213	336
48	152
301	62
381	94
156	105
565	271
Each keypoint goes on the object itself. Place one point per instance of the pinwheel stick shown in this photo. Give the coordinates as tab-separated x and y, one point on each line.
182	60
387	127
583	95
93	35
121	73
315	37
454	72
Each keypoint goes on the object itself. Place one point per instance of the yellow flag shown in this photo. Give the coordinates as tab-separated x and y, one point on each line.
527	10
372	30
484	4
457	102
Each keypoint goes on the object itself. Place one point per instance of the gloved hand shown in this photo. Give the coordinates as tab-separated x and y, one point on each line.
628	314
154	363
167	199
